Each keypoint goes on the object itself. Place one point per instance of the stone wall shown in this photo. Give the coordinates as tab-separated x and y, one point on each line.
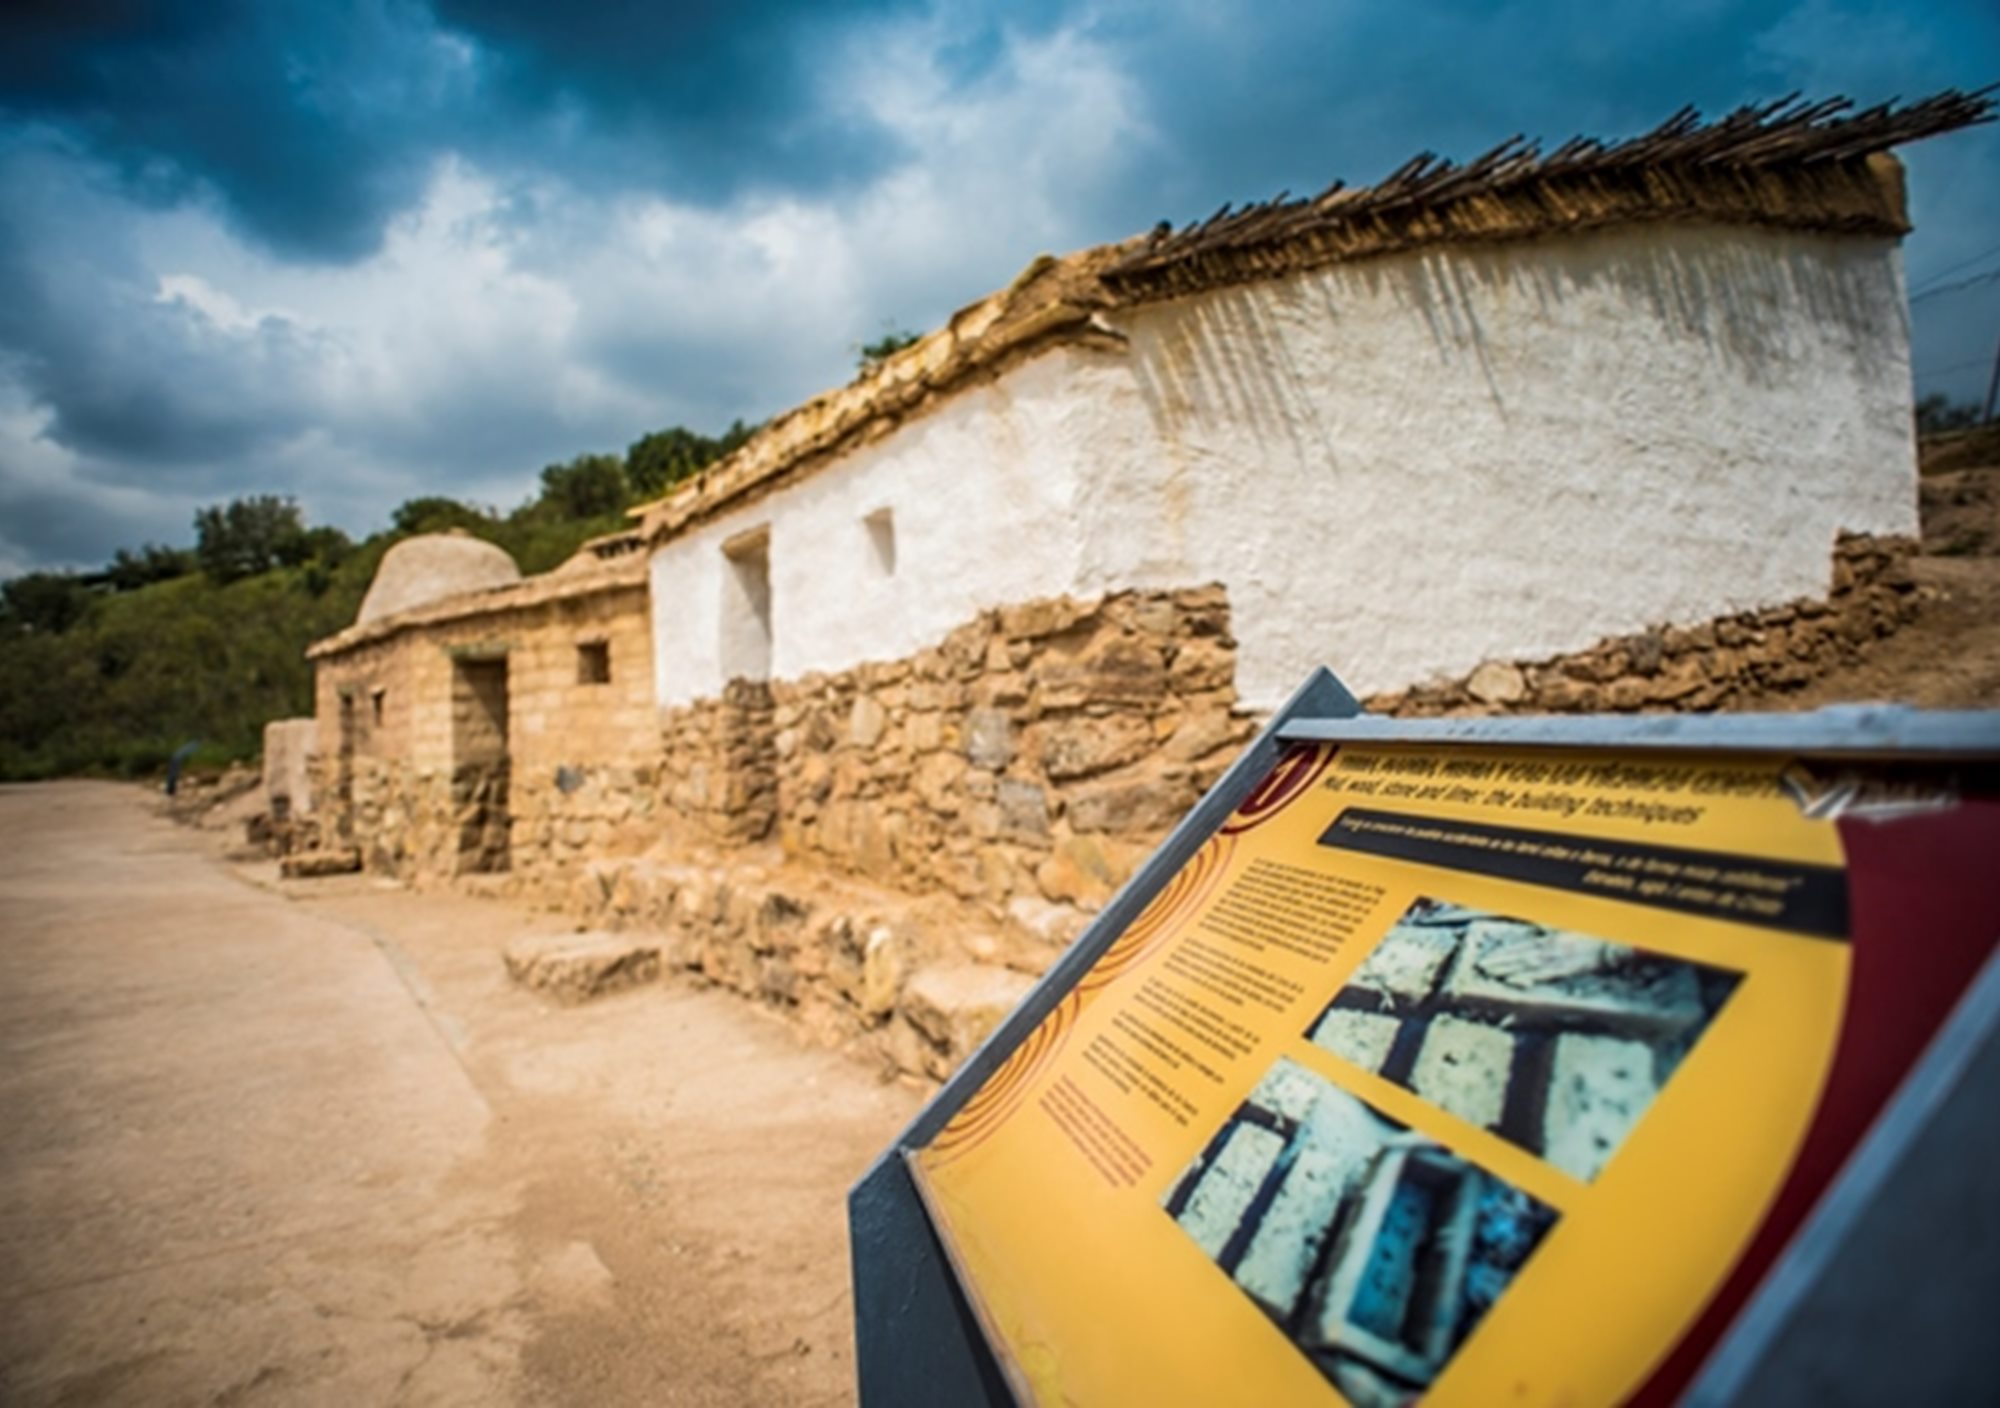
890	854
718	763
1028	760
1692	668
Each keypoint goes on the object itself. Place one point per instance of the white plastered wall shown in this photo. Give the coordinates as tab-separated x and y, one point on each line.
1400	467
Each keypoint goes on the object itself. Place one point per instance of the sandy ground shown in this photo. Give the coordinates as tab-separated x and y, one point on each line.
309	1146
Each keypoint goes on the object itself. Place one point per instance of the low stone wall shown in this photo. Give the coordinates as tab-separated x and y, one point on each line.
1694	668
917	980
567	816
1030	759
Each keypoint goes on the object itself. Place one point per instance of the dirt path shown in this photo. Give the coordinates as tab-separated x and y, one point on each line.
311	1147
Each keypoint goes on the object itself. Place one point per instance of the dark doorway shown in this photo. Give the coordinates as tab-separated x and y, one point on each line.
480	763
343	781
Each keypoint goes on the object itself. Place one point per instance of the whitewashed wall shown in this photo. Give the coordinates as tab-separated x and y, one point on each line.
1399	468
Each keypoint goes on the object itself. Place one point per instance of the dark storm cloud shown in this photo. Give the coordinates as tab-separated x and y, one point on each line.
130	380
699	99
311	124
614	160
1316	92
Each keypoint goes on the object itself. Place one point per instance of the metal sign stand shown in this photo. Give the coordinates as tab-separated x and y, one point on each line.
1883	1295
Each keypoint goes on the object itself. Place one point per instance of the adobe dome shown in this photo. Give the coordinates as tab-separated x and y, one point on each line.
431	567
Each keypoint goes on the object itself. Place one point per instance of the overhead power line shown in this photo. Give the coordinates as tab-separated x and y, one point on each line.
1953	288
1954	367
1935	275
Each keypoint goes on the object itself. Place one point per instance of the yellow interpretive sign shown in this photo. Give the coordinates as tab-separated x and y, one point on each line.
1462	1073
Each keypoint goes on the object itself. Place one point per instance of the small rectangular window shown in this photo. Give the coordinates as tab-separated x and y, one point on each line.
746	606
882	537
593	662
376	697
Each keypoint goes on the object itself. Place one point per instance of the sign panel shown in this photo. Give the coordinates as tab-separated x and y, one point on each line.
1463	1073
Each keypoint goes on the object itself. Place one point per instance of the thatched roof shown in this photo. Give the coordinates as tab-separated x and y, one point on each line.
1787	164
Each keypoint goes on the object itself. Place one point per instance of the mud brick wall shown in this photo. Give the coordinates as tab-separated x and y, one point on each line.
1032	758
423	791
1692	668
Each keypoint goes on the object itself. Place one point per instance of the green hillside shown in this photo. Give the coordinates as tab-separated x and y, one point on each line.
110	672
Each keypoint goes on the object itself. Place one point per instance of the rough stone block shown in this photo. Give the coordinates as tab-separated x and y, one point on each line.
1148	804
989	738
885	962
1497	682
865	722
1081	747
577	967
1035	619
1204	663
1024	810
957	1004
307	865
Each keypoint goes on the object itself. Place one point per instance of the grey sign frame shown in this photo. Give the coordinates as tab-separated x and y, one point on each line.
1805	1337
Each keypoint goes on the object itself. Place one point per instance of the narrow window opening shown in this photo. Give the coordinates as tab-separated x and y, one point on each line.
882	538
593	662
746	606
376	698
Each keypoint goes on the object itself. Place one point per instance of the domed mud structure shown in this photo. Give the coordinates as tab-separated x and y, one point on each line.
421	570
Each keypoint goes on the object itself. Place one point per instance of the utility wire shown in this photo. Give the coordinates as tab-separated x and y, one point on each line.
1953	288
1954	268
1954	367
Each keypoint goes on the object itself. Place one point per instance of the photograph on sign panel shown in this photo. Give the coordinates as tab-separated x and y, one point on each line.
1557	1042
1375	1249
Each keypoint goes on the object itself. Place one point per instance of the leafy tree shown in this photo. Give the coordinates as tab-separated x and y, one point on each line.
892	341
249	536
662	459
589	486
1937	413
436	514
131	570
657	462
45	602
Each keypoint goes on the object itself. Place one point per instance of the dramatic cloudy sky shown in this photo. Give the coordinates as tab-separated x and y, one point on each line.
362	251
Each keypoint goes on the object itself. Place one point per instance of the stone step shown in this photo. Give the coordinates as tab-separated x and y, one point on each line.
956	1005
307	865
578	967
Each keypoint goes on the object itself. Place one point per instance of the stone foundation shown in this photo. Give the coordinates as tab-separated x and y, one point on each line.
1030	759
890	855
1688	669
